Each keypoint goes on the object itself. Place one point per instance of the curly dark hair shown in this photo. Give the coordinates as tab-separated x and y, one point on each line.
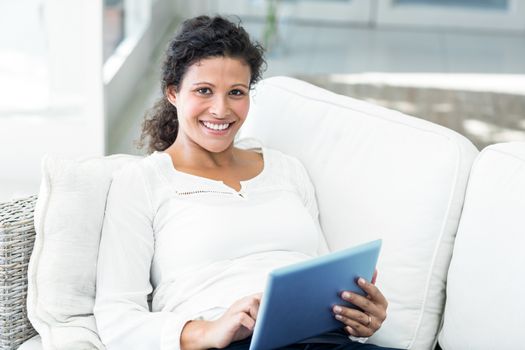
198	38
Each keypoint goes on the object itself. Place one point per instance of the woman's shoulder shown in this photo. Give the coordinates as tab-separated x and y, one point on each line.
138	181
138	169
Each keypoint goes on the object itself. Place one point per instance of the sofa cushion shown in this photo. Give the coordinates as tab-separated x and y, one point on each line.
486	284
378	174
62	269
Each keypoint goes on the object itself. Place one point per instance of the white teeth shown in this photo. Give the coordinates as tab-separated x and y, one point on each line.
216	126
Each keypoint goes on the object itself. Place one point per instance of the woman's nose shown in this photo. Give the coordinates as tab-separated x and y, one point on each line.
220	107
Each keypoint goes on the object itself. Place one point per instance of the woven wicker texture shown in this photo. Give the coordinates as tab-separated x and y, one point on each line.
17	236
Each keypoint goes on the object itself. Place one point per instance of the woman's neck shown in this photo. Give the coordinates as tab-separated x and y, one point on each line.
187	154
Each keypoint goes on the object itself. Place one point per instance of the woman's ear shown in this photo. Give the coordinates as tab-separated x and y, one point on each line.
171	95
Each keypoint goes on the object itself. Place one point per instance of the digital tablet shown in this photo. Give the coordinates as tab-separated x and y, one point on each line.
298	300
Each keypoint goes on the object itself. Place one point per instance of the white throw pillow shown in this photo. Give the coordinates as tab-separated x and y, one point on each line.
62	269
485	307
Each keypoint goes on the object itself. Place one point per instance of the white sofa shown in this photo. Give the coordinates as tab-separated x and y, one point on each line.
378	174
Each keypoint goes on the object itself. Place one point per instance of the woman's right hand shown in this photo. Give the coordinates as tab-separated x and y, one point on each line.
235	324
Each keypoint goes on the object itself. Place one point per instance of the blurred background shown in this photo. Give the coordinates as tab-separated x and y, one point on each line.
76	76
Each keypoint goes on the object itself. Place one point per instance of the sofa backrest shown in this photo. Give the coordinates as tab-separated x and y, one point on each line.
378	174
485	308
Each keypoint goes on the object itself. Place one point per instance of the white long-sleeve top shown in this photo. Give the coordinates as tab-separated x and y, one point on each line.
196	243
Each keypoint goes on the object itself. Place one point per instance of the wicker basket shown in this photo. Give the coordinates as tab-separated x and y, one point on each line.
17	236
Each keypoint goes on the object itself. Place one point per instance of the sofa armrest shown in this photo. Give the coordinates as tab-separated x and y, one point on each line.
17	236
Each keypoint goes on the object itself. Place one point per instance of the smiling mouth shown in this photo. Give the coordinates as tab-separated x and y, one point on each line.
216	126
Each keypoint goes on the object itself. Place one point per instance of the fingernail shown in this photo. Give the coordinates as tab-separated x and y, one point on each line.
361	281
337	309
347	295
350	329
339	317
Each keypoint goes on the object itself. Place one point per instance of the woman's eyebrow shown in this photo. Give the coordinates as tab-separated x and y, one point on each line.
240	84
208	83
203	82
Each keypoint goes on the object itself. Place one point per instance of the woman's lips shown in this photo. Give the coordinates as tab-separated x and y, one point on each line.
217	128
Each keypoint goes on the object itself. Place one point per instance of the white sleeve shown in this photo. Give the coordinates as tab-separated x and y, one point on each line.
121	310
307	190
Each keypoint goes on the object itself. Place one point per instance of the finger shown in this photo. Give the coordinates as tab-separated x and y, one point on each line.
352	314
246	303
254	309
374	277
355	328
366	305
252	305
351	331
373	292
246	321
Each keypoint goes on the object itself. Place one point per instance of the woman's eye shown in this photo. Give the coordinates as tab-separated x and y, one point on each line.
237	92
204	91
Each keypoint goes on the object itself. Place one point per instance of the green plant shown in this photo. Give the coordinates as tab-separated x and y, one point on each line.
270	28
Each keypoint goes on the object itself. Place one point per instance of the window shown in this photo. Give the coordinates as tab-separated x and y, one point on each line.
114	18
125	22
453	14
478	4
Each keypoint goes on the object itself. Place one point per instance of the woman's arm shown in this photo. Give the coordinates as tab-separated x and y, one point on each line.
123	272
306	191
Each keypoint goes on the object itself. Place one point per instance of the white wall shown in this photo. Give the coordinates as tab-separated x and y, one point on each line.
73	123
84	99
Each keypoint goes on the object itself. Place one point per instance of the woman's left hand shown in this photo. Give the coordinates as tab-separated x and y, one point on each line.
366	321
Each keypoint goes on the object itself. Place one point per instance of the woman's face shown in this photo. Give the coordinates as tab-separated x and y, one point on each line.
212	102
